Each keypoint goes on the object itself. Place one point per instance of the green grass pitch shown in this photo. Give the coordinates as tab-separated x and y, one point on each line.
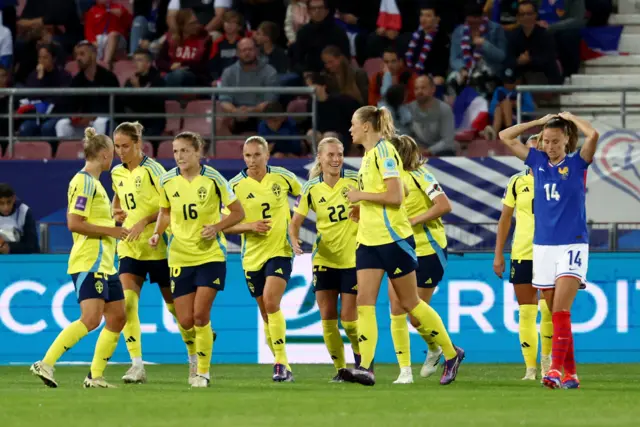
483	395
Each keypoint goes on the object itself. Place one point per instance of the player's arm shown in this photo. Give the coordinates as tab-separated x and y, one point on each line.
235	215
118	213
294	232
261	226
441	207
78	224
509	136
81	195
504	225
392	196
162	223
588	149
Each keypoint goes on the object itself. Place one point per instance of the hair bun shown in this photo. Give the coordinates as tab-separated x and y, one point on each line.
90	133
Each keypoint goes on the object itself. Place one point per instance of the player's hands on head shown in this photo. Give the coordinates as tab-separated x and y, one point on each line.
566	115
353	195
545	119
119	215
209	232
120	233
136	230
498	265
153	240
261	226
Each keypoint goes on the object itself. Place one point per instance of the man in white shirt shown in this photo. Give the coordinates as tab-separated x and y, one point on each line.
209	12
6	46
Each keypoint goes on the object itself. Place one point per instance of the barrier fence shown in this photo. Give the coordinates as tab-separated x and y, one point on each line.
12	95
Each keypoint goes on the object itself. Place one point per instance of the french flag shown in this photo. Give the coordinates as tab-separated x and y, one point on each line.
389	17
470	111
600	41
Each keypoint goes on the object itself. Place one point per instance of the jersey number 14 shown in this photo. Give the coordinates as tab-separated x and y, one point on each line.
552	193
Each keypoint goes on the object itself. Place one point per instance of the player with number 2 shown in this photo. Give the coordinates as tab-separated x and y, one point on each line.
561	239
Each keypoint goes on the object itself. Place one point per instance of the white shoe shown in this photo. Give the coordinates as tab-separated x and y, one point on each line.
545	365
405	377
193	372
431	363
530	374
45	373
135	375
200	382
99	382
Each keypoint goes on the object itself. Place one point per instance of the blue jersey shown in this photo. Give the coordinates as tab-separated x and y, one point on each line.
559	199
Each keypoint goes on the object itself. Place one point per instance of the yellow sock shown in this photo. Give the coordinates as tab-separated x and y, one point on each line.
188	336
367	334
546	328
278	333
267	337
132	333
204	348
426	336
528	334
430	319
400	337
105	346
333	341
64	341
351	330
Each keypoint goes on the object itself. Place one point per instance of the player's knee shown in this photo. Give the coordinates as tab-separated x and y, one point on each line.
91	320
271	305
115	322
186	322
201	318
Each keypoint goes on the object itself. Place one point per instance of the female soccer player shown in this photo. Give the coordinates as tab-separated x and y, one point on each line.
386	244
518	196
190	199
561	239
91	266
425	204
136	187
267	255
334	253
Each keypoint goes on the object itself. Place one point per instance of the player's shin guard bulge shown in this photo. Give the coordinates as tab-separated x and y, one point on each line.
333	341
204	348
105	346
65	341
430	319
528	334
367	334
562	339
132	331
401	341
278	332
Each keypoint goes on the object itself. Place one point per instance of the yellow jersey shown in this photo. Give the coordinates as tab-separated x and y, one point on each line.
381	224
519	196
87	197
193	205
423	187
139	194
335	244
266	199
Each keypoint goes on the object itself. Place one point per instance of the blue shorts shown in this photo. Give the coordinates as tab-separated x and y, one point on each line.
158	270
397	259
430	270
97	285
343	280
521	272
185	280
277	266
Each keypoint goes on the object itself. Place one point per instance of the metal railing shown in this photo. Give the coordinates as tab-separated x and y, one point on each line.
559	89
17	93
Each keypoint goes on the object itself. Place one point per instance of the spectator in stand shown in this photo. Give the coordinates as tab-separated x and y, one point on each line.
478	52
266	37
344	78
296	17
432	123
46	75
18	232
532	48
257	11
333	112
393	72
223	52
60	16
249	71
8	14
564	19
503	104
146	75
4	108
280	126
395	102
107	25
184	55
320	32
394	26
428	51
358	19
149	24
91	75
503	12
6	46
209	13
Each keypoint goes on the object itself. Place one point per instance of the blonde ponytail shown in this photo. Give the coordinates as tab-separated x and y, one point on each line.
316	169
380	119
94	143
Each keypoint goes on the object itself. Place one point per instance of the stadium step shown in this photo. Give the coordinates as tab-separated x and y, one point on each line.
608	98
608	65
604	80
628	7
629	43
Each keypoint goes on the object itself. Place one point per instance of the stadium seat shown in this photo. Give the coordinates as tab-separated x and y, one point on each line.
32	150
70	150
478	148
373	66
297	106
201	125
147	148
72	67
229	149
165	150
173	125
123	70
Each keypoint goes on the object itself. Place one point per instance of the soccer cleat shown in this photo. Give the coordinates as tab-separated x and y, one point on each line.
281	374
193	371
338	377
545	365
99	382
570	382
45	373
430	365
135	375
359	375
405	377
530	374
552	379
451	367
199	382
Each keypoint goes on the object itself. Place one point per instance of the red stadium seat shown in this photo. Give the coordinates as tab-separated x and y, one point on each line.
478	148
165	150
147	148
123	70
230	149
32	150
70	150
201	125
297	106
373	66
173	123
